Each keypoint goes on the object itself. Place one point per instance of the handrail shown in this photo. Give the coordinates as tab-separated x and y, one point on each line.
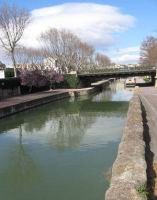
99	71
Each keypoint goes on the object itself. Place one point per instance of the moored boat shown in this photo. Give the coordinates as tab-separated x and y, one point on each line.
130	82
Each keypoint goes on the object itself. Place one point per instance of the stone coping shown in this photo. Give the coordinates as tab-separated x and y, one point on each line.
129	169
99	83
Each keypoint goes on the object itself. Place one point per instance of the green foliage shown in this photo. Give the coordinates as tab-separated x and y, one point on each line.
9	83
142	190
71	81
147	79
9	72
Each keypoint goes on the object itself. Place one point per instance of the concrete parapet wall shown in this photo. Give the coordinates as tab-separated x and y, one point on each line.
85	91
100	83
129	169
95	87
21	103
10	92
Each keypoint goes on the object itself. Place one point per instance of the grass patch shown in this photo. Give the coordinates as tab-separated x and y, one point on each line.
142	190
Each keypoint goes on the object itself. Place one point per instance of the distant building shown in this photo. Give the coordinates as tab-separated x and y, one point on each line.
124	66
24	66
2	70
51	63
46	64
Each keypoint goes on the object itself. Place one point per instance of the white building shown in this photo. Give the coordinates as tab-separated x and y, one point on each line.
2	70
51	63
123	66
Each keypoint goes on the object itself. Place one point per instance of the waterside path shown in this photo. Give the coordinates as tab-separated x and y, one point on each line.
148	98
134	171
20	103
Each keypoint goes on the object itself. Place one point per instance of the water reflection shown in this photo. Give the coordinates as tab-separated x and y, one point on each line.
70	130
64	125
61	150
22	172
115	92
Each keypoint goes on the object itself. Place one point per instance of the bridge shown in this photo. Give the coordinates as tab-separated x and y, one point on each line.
97	74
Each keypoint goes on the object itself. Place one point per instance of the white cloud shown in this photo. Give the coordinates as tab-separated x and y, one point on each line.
130	50
94	23
126	55
4	58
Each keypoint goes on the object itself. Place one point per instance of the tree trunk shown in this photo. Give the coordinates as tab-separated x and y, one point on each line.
14	63
30	89
50	85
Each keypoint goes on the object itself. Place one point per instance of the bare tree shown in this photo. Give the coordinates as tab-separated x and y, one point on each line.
84	56
29	58
148	51
13	21
69	51
102	60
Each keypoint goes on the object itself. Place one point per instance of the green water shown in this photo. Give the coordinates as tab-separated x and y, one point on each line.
63	150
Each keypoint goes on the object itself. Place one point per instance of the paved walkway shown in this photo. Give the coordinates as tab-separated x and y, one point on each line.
26	98
35	96
149	100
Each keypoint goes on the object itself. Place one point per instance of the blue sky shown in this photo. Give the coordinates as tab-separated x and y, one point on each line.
137	19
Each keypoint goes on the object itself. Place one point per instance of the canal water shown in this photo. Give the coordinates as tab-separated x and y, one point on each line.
63	150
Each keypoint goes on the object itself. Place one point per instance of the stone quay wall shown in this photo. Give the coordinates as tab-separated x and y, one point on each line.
31	103
20	103
129	169
9	92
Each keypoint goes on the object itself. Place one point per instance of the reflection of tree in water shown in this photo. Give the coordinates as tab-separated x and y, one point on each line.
63	126
22	172
37	120
70	131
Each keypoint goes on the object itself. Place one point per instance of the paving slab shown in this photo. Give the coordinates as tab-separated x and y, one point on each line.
149	99
148	96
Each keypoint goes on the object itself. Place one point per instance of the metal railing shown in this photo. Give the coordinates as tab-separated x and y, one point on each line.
116	71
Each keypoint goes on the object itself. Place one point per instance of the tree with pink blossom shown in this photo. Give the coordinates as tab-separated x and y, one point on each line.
53	77
38	78
32	78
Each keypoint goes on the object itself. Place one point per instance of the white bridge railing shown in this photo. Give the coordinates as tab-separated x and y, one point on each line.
117	71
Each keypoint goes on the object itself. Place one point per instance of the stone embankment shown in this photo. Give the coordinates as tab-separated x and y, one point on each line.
79	92
13	105
20	103
95	87
129	176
